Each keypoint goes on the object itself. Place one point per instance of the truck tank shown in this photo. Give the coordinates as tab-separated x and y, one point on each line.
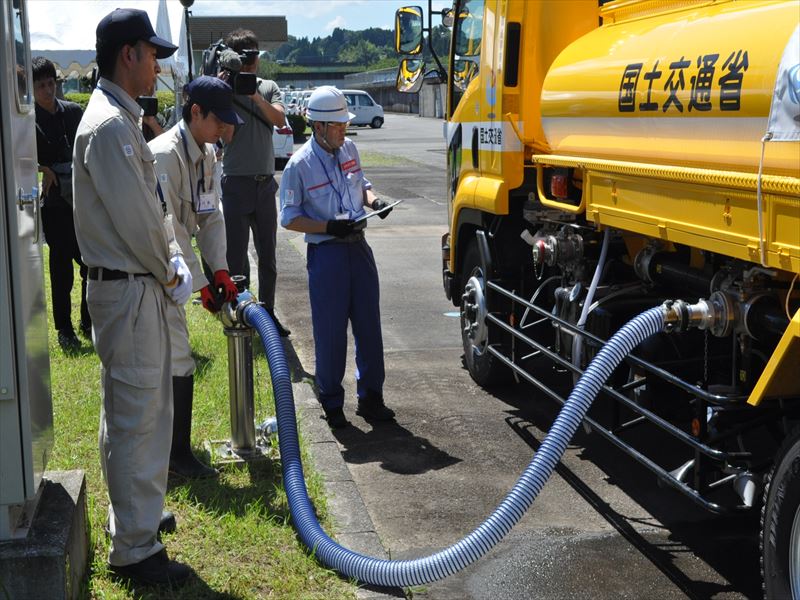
691	86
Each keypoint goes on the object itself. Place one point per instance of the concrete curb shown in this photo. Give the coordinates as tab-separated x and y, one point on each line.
354	527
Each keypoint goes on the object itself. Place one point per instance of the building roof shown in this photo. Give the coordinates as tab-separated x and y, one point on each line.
270	31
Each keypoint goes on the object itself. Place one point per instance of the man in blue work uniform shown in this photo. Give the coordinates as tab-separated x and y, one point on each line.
323	192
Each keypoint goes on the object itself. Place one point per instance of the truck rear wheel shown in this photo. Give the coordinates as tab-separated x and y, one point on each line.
476	334
780	524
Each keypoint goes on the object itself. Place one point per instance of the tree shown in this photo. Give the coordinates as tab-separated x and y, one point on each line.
362	53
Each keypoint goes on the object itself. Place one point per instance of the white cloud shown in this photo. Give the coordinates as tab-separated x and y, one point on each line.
339	21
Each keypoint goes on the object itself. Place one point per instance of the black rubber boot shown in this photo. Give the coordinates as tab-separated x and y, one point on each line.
181	460
372	408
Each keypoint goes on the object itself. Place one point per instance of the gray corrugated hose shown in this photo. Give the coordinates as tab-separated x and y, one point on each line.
418	571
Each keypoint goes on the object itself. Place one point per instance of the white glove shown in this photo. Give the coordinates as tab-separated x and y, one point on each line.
181	291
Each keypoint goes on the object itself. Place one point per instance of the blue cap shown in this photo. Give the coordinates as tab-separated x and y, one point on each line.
124	25
215	95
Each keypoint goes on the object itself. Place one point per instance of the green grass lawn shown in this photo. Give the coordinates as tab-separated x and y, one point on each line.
235	531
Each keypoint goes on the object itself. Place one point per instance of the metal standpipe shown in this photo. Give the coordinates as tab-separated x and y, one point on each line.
247	442
240	382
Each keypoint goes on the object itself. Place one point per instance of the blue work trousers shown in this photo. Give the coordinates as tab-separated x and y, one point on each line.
343	286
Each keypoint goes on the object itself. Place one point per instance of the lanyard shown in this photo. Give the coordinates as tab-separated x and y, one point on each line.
115	99
335	189
201	182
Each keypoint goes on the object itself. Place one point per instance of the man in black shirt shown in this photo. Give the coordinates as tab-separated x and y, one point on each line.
56	124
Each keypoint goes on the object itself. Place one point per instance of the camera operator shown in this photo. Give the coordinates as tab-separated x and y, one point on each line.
248	169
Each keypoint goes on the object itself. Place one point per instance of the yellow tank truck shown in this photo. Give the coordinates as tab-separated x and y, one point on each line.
606	157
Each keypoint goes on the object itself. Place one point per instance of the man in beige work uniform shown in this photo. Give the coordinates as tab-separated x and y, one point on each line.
135	269
185	158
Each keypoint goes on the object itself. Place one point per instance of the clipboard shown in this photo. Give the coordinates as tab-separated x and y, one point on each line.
366	216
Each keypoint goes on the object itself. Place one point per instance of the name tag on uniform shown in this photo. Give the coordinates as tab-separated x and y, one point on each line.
206	203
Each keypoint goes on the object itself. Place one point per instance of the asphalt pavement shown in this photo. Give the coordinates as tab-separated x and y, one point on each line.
601	528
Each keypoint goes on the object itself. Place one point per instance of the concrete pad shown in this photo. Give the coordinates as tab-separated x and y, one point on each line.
51	561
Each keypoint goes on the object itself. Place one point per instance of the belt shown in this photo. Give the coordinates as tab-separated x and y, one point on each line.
348	239
258	178
101	274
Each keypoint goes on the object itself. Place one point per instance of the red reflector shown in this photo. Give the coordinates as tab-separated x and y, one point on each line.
285	131
559	184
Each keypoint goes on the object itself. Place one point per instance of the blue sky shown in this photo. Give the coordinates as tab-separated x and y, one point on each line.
70	24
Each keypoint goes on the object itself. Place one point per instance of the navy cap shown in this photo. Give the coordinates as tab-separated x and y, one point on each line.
215	95
131	25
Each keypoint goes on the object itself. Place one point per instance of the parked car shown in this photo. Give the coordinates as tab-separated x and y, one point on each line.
282	144
365	109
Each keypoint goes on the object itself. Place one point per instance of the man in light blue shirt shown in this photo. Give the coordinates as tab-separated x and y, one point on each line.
323	192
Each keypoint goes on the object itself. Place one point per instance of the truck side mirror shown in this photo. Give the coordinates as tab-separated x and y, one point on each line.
408	30
409	75
448	17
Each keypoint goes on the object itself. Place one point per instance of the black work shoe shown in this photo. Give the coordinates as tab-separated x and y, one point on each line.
167	524
68	341
156	570
282	331
190	468
336	418
374	410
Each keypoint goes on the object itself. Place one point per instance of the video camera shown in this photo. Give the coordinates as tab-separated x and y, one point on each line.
149	105
218	58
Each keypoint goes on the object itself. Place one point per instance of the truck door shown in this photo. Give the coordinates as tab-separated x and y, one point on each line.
26	416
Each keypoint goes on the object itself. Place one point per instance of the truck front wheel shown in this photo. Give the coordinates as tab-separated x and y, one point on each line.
483	367
780	524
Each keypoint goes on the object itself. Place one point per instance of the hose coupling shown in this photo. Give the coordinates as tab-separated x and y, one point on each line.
717	315
232	313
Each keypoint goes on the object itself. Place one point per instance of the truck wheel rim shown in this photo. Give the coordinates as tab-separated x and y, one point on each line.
794	556
474	313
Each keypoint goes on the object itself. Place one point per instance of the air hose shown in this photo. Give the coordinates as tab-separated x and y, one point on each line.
418	571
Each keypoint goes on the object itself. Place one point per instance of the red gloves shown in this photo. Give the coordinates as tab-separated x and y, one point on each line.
207	298
225	287
223	290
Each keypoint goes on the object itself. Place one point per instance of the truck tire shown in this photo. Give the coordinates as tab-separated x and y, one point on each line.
376	123
780	524
484	368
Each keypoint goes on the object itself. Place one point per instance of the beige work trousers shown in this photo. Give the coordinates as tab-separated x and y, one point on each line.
182	361
131	338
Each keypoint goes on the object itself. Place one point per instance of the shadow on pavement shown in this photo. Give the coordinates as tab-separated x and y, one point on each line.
395	447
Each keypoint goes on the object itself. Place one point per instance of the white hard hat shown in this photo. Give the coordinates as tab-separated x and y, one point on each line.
327	103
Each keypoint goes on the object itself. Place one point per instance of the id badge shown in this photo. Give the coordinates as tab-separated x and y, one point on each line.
206	203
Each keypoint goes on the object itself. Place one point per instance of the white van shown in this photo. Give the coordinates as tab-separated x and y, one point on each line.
366	110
